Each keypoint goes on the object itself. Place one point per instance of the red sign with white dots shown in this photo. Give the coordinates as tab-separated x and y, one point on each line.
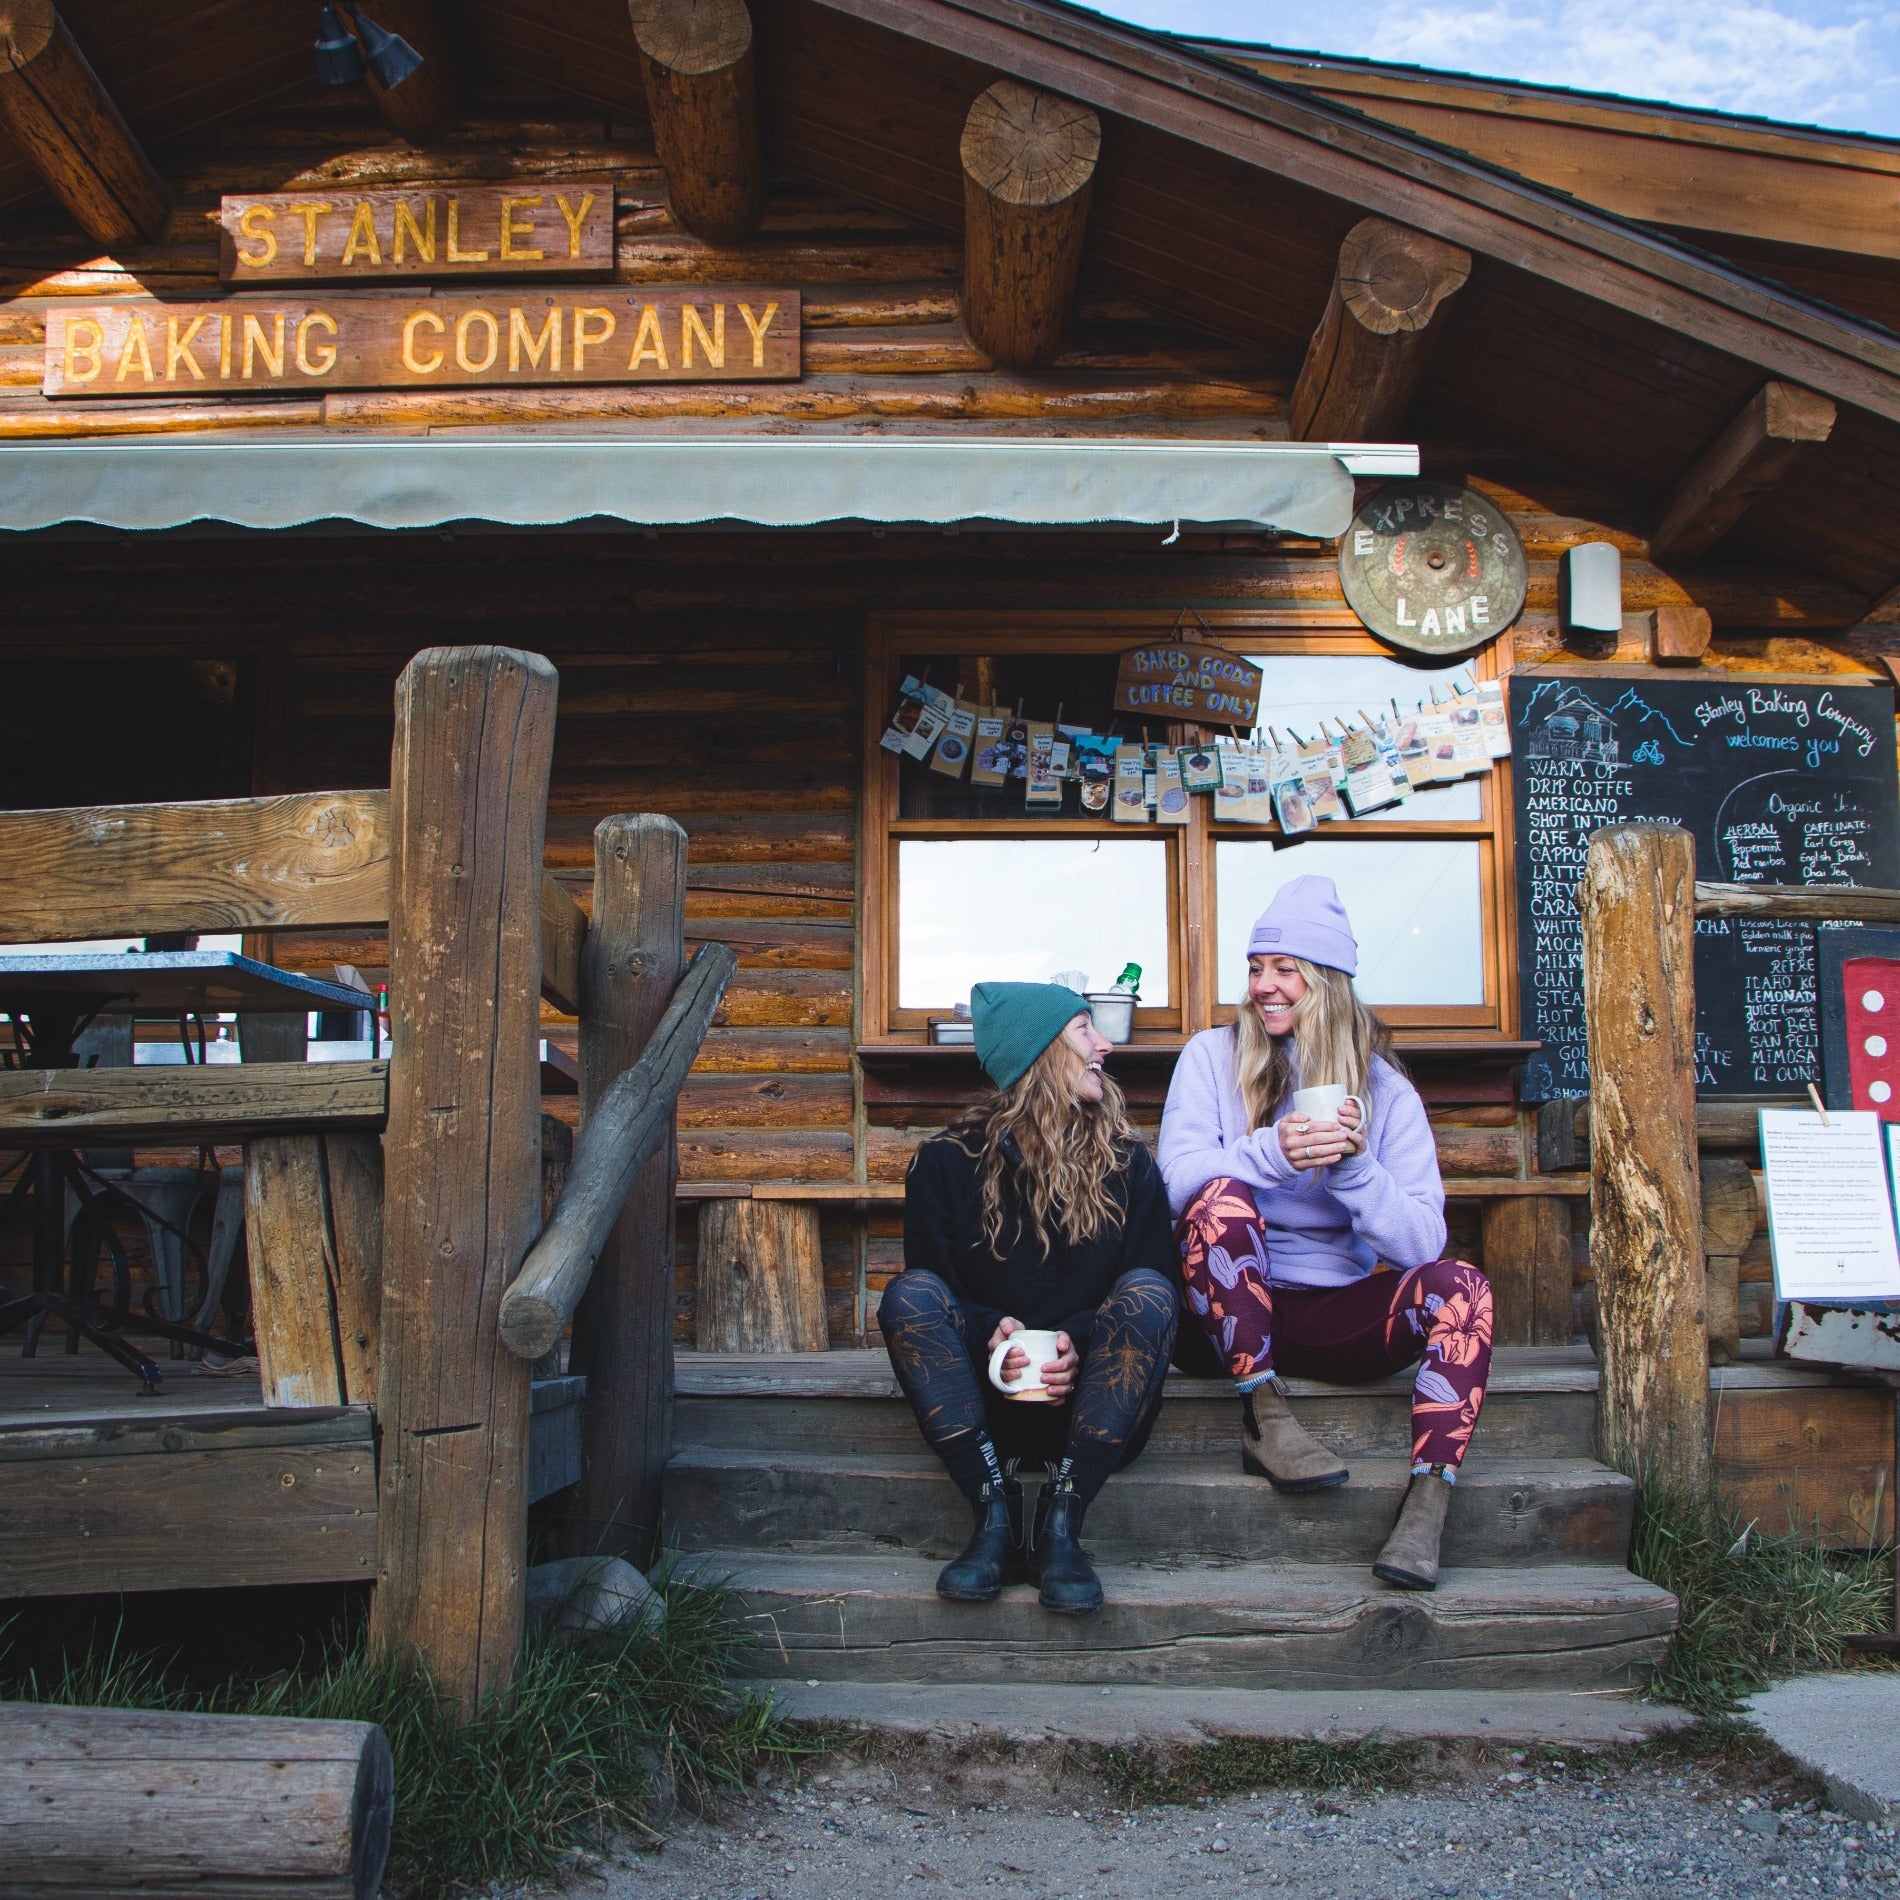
1872	986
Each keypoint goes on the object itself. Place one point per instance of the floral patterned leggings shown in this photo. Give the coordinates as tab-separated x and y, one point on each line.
1437	1316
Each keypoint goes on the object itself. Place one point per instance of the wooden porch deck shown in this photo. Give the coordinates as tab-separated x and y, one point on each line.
201	1485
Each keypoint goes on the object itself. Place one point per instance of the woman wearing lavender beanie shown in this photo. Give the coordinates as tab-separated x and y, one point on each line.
1289	1222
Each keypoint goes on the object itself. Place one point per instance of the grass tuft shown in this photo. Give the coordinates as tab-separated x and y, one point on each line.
1753	1608
595	1737
1139	1775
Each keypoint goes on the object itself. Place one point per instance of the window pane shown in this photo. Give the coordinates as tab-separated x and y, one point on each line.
1017	910
1414	905
1301	689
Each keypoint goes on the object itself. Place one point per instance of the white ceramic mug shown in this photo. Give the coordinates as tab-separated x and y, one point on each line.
1323	1104
1041	1348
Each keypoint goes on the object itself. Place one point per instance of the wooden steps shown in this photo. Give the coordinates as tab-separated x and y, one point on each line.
1236	1626
1165	1507
803	1476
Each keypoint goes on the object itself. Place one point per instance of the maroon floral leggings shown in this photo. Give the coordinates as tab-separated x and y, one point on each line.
1436	1316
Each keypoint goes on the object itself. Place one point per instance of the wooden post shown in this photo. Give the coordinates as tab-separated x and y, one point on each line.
1376	333
696	58
761	1278
1730	1211
1028	170
64	122
1525	1239
313	1225
634	953
468	797
1637	900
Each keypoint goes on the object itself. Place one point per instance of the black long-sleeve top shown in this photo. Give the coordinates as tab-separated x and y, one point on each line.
943	1234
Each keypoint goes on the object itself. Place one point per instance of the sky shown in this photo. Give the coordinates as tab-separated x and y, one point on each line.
1815	62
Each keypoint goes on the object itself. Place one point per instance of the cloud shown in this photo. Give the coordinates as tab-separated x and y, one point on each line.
1736	58
1827	62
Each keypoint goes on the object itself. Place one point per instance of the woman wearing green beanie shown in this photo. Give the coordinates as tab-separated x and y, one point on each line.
1041	1209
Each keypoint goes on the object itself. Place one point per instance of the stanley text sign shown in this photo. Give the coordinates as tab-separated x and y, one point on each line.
531	228
246	345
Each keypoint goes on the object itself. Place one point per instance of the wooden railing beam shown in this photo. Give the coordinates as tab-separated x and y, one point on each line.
1638	908
625	1130
72	1108
1754	454
1028	172
1810	903
1376	334
65	123
696	61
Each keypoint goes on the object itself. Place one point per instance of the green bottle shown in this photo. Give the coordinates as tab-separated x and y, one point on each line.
1130	979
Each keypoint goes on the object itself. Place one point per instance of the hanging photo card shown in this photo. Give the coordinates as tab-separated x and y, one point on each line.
1830	1207
1131	799
1042	790
1200	768
988	765
953	749
1171	799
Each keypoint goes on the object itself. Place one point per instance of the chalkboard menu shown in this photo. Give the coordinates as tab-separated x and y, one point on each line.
1780	785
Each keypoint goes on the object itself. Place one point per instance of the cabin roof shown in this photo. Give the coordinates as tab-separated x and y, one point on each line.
1224	191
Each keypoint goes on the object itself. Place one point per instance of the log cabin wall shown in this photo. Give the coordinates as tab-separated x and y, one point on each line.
716	677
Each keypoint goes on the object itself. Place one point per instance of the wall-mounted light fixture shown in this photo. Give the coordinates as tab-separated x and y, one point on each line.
339	58
1591	588
343	55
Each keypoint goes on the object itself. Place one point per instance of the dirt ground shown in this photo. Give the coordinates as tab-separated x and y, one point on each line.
925	1820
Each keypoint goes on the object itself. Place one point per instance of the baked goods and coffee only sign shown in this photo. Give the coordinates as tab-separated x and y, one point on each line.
1188	681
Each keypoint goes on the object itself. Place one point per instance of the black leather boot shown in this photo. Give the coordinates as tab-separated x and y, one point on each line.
994	1554
1068	1581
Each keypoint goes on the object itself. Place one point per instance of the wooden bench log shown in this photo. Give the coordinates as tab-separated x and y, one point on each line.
245	1804
761	1278
625	1129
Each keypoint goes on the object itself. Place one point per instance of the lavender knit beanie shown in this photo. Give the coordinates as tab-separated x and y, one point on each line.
1306	919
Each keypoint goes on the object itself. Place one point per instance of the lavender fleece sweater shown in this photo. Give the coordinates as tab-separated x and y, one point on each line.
1327	1227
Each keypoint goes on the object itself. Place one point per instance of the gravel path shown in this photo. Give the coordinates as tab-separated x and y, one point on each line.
919	1827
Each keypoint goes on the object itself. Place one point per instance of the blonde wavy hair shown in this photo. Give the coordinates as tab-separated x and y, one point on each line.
1335	1038
1070	1151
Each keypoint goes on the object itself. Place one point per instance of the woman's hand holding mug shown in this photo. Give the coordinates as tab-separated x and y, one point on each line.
1323	1126
1007	1368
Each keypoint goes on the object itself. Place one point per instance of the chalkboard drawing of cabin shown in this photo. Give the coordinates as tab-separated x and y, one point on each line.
1576	728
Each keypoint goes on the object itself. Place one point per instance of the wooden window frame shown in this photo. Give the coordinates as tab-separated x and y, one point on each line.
1192	977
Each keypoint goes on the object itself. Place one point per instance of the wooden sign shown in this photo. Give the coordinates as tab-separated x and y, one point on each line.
530	228
1188	681
1432	567
246	345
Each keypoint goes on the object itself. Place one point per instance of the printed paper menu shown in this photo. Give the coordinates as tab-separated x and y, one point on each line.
1830	1210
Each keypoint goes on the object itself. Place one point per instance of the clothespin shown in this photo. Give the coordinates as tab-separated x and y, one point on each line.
1820	1107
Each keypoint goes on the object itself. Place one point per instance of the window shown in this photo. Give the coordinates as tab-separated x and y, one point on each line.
1415	904
1019	910
963	885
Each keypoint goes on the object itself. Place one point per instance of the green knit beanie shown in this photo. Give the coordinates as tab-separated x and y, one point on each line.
1016	1022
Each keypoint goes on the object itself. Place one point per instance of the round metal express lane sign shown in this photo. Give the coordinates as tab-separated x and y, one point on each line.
1432	567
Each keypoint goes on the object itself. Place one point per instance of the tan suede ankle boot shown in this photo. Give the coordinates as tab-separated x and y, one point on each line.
1410	1556
1275	1446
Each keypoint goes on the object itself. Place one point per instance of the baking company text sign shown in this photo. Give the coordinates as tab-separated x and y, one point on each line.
247	345
528	228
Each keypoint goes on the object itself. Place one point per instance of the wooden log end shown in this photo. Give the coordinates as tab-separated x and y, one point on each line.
530	1324
1794	414
1679	636
1029	148
26	29
1393	278
692	37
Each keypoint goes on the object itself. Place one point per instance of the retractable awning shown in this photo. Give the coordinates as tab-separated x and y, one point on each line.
551	480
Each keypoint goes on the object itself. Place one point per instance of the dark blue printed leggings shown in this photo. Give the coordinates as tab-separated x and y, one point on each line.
940	1353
